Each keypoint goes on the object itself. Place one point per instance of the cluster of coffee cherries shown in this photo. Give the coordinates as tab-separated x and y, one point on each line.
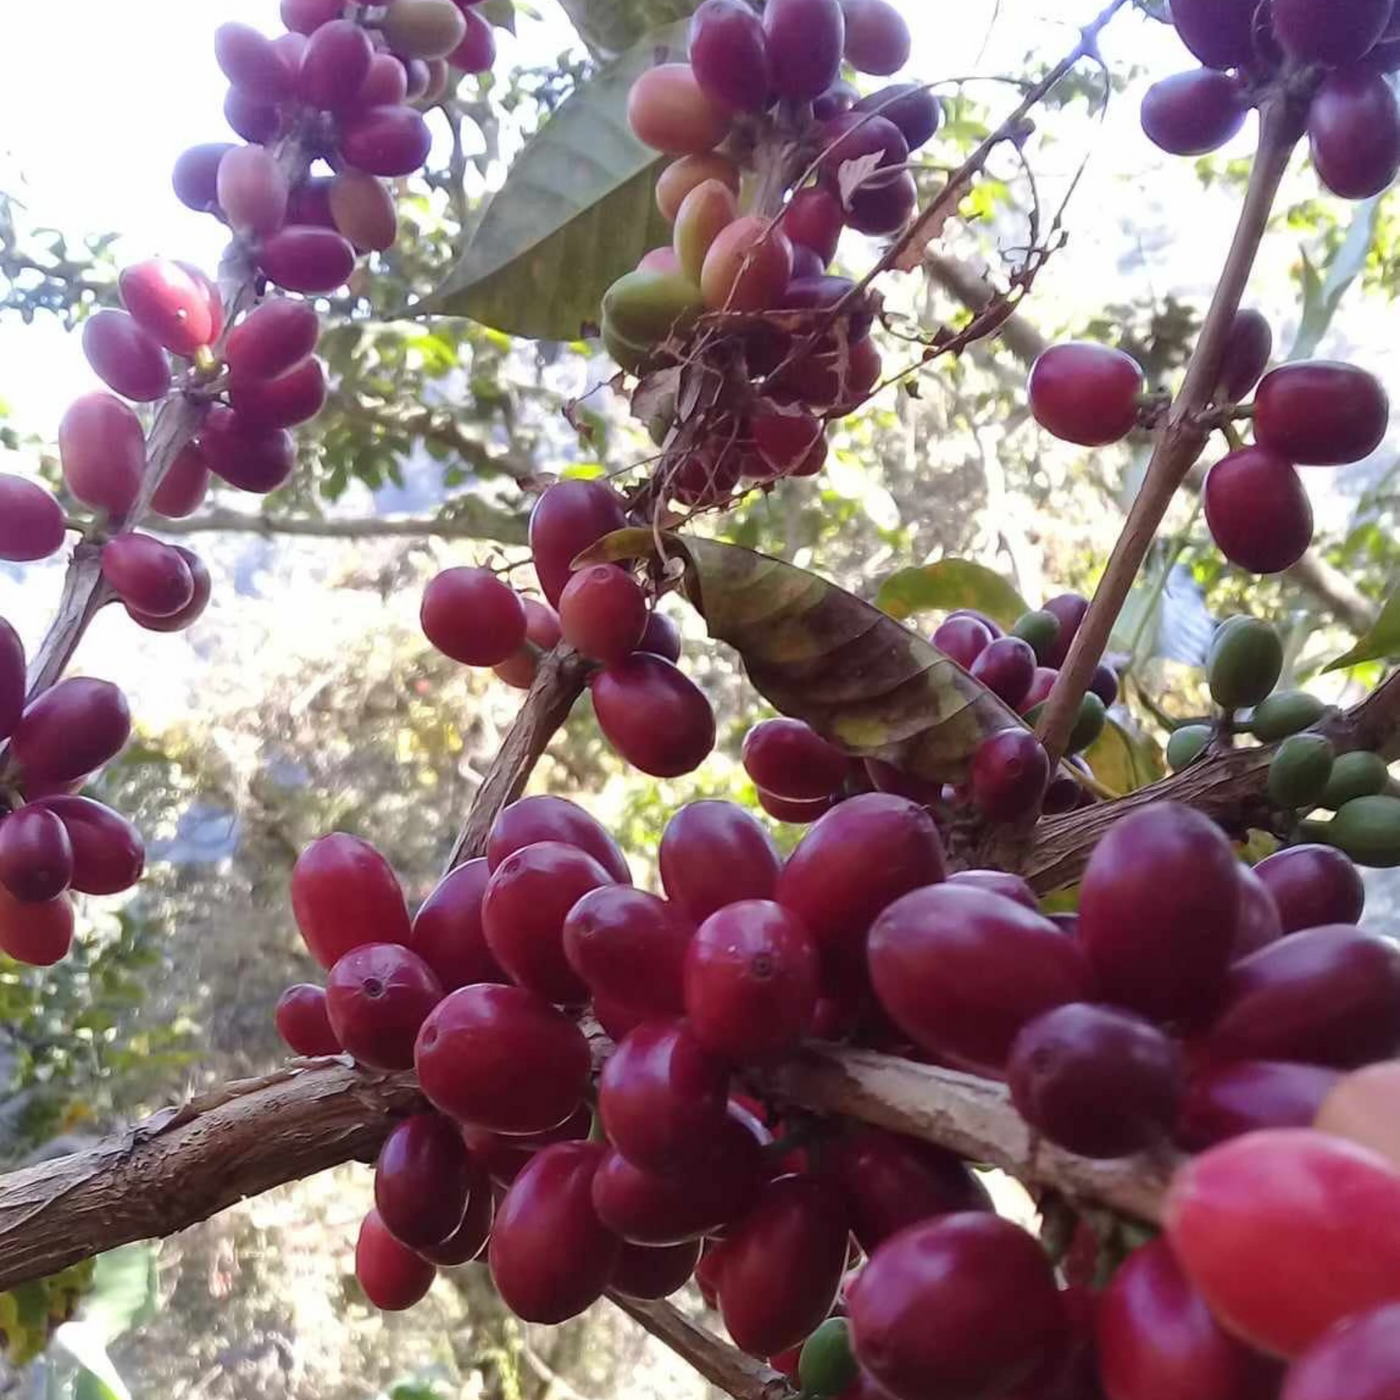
592	1056
1315	413
753	80
1348	46
1306	772
330	90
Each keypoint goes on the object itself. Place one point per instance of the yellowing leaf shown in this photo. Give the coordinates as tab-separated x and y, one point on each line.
950	584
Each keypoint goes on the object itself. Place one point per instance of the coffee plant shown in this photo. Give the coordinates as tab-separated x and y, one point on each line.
784	1071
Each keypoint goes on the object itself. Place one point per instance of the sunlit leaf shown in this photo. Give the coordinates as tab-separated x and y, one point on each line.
875	688
949	584
1380	643
1322	295
610	26
99	1378
576	212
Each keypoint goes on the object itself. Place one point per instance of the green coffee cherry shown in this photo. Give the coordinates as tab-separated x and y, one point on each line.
1187	744
1356	774
1040	629
645	307
631	355
1089	723
1245	662
827	1365
1367	829
1287	712
1300	769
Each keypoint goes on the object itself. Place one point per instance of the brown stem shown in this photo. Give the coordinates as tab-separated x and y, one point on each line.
470	520
1180	439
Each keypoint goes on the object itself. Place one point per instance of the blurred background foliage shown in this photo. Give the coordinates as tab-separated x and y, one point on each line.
256	737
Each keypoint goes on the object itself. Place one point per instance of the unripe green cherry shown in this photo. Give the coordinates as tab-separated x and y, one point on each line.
423	28
1040	629
1089	723
1245	662
1360	773
1300	769
1367	829
827	1365
1187	744
646	307
1287	712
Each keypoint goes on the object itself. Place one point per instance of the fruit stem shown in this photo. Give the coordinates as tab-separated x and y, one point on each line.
1180	439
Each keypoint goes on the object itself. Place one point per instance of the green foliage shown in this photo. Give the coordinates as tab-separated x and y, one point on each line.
1382	642
947	585
577	213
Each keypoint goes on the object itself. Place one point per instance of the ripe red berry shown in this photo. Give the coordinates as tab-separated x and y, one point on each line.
471	616
422	1179
629	947
1354	131
468	1241
447	932
1218	32
243	455
567	518
1359	1358
251	62
36	856
12	679
963	1306
1247	350
71	730
183	487
653	714
385	140
304	258
1190	114
963	639
548	818
151	577
37	934
654	1271
503	1059
1085	393
805	41
729	55
108	853
377	996
790	759
392	1276
910	106
603	613
31	521
273	338
103	452
1009	772
292	398
1312	886
125	357
169	303
877	36
334	65
253	190
1329	31
1226	1101
344	894
1320	413
713	853
195	175
1007	668
814	219
302	1021
1258	510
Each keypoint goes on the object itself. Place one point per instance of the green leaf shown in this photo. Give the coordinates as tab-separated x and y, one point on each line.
123	1293
576	212
610	26
1322	296
871	686
1380	643
949	584
99	1379
1123	761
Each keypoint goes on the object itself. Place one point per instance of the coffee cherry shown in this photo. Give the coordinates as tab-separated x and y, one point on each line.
1190	114
252	190
603	613
392	1276
1156	1337
1359	1358
1069	610
747	266
752	975
567	518
251	62
151	577
629	947
31	521
962	638
855	135
704	214
547	818
651	1208
1329	31
125	357
1096	1081
334	66
423	29
1320	413
1158	912
310	202
251	118
1085	393
1356	774
468	1241
12	679
856	860
422	1179
386	140
669	111
377	996
656	718
385	83
542	633
345	894
1218	32
882	207
551	1257
805	40
1258	510
192	611
962	1306
302	1021
245	456
839	97
503	1059
1300	771
1187	744
36	856
1287	1232
662	1097
303	258
683	175
471	616
447	932
1312	886
169	303
272	339
1009	773
912	108
814	219
1226	1101
961	971
891	1182
1327	996
1259	923
523	910
108	853
783	1264
729	55
477	51
363	210
1247	349
790	759
712	853
70	730
1354	131
998	882
195	175
877	37
654	1271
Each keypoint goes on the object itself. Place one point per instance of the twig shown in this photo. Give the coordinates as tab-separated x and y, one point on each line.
471	520
1181	439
